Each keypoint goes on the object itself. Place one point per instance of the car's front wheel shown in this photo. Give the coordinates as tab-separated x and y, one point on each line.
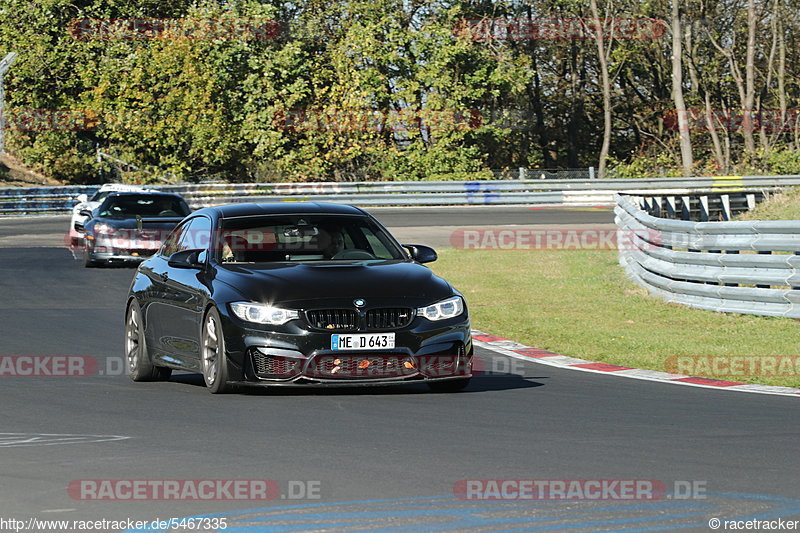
140	368
88	258
215	363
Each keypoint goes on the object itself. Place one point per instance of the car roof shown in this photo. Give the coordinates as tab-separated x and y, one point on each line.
285	208
122	194
122	187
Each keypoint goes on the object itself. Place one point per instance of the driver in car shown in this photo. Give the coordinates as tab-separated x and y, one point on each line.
336	244
164	206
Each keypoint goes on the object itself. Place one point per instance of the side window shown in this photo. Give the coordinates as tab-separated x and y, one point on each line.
196	235
170	245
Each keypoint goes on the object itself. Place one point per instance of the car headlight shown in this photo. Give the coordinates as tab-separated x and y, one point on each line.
448	308
103	229
263	314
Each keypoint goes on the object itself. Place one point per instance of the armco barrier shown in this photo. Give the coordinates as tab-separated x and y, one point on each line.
54	200
740	267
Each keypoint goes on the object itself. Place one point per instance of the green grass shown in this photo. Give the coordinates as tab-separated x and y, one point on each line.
579	303
783	206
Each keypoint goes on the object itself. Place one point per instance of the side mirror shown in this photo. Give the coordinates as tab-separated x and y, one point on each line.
421	253
185	259
81	198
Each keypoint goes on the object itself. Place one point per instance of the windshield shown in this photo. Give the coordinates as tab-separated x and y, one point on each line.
145	205
305	238
99	196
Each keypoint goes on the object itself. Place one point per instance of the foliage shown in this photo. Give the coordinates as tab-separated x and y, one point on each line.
377	89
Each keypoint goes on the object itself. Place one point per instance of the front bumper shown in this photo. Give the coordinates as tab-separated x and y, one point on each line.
105	249
119	255
424	352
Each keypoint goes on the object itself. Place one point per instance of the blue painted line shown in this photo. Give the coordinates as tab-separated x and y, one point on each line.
483	508
289	528
596	523
464	522
459	511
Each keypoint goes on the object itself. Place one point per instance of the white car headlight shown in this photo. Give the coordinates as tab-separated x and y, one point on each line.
263	314
103	229
448	308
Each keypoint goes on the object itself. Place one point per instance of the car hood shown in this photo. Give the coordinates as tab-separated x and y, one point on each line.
309	284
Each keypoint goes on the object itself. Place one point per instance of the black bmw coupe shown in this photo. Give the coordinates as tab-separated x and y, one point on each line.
294	294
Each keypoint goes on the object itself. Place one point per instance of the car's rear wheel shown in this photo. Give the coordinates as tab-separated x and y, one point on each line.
451	385
140	368
215	363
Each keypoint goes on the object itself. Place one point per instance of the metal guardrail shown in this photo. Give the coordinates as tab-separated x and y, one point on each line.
750	267
55	200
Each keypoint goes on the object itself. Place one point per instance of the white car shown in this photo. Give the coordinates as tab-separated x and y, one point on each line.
90	204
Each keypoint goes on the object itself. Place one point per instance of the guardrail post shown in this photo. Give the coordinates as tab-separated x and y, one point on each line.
591	173
656	206
671	206
751	201
686	208
704	209
726	206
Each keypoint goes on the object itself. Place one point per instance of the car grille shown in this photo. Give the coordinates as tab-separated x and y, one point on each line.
389	318
362	366
275	366
332	319
348	319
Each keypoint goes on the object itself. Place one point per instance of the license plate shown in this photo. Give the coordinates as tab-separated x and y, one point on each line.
367	341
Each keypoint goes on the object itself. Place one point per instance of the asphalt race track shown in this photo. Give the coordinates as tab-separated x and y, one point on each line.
378	459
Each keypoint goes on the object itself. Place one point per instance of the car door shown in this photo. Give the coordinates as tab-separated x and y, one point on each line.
157	312
185	296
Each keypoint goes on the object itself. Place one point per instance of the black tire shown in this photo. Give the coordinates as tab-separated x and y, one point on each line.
138	363
88	262
213	359
451	385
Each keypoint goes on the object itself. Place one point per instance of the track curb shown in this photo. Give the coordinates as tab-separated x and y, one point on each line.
537	355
